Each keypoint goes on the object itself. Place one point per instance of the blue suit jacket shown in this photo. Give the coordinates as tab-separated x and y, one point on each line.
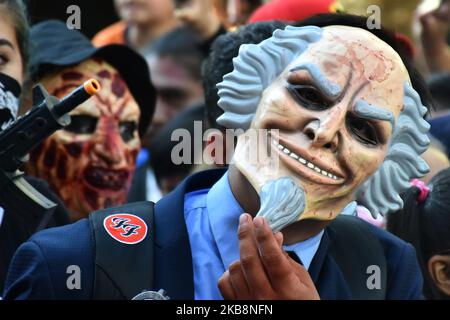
39	267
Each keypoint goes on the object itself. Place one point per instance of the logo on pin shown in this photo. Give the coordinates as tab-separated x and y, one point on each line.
125	228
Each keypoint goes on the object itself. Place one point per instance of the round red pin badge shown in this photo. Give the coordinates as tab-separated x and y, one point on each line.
126	228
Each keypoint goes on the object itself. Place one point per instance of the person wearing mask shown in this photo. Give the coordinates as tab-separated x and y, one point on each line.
331	131
90	163
20	217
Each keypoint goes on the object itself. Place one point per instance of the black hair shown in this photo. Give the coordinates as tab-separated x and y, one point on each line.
426	225
220	61
183	46
226	47
15	11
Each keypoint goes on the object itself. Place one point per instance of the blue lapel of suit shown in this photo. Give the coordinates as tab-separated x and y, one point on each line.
173	259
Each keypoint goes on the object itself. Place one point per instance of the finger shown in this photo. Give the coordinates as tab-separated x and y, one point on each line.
250	258
238	281
301	272
278	268
225	287
279	237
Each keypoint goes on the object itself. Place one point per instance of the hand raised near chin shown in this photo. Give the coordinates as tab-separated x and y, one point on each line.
264	270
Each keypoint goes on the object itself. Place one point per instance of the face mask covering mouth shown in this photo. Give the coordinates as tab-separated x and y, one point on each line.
9	100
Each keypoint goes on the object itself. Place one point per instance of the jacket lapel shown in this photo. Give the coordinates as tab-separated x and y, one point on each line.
173	259
320	256
326	273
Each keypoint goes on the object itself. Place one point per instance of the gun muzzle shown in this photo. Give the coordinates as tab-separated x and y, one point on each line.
76	97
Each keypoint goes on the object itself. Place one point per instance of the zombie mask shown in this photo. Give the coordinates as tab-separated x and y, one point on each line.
340	118
90	162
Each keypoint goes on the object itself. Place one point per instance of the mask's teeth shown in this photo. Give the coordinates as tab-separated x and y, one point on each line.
305	162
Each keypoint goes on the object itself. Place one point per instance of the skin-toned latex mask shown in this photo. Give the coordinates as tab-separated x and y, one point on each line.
90	162
330	112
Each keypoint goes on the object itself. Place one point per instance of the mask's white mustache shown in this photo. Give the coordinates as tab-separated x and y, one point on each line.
282	202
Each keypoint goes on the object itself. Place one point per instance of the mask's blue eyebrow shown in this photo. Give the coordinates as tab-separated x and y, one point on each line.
331	89
366	110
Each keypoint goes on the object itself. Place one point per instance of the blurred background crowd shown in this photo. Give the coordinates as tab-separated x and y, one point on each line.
164	57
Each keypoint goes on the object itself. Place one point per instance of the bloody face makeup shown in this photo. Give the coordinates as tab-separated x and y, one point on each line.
90	162
334	109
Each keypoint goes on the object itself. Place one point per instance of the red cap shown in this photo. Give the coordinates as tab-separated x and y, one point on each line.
293	10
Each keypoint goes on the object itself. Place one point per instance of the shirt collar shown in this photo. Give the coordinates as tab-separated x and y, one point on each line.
224	211
306	249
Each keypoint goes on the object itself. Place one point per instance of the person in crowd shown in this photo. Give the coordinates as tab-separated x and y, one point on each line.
175	60
345	117
202	16
175	64
435	32
20	217
228	13
142	22
424	222
168	174
90	163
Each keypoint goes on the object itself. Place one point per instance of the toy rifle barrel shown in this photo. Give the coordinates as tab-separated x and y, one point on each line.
46	116
76	97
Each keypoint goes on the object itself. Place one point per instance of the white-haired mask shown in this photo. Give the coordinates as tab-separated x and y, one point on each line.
343	122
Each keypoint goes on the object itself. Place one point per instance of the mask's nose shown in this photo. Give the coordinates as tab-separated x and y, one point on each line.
324	132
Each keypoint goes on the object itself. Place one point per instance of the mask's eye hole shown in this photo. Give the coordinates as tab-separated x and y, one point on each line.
308	97
82	124
363	130
127	130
